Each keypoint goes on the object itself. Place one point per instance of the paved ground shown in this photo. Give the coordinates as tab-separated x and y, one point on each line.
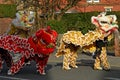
54	70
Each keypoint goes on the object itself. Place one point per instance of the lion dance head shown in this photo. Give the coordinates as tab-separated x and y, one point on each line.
105	22
46	40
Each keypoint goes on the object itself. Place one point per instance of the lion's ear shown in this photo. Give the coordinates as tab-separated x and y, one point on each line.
94	21
114	18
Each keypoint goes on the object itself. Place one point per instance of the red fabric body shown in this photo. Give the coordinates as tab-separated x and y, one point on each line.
34	48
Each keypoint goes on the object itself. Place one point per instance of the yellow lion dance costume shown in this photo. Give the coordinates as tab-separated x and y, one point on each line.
93	41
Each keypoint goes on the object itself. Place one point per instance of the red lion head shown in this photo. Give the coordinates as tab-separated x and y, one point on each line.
46	39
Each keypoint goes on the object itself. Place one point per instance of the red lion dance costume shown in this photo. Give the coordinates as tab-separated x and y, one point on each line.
37	48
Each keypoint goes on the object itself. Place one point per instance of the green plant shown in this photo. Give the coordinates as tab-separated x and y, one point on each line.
59	26
7	10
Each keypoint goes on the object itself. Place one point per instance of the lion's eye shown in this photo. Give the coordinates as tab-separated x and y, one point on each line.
104	22
30	20
42	41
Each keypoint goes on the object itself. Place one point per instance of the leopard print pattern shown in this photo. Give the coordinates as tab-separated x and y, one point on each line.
70	43
101	60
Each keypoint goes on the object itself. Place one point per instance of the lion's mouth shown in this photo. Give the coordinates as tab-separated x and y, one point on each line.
51	45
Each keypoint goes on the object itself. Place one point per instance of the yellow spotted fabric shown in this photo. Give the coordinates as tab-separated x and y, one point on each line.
90	48
78	39
87	43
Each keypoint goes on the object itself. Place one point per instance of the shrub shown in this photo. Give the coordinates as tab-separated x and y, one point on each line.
7	10
59	26
77	21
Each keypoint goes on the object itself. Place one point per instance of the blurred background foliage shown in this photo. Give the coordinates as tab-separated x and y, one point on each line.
69	21
77	21
7	10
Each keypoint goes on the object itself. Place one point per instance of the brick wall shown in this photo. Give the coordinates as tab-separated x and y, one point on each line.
84	6
2	2
4	24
